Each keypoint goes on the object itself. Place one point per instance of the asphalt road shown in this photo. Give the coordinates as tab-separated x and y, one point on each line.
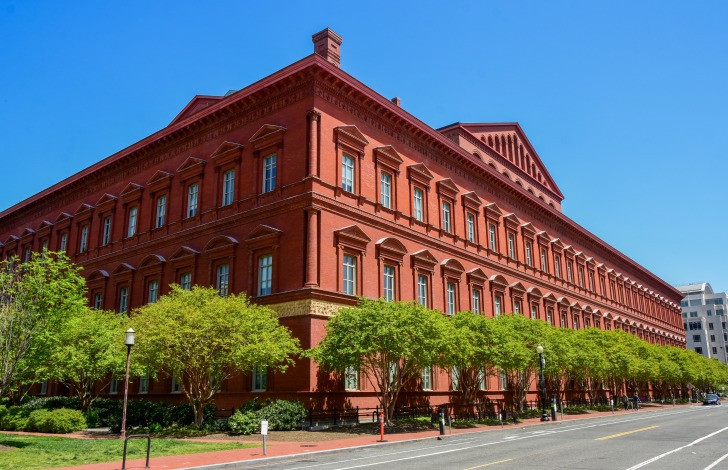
682	438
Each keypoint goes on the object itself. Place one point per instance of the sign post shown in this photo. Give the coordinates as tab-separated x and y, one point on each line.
264	433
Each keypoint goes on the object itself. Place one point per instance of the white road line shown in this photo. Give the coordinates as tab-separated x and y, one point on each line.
716	462
653	459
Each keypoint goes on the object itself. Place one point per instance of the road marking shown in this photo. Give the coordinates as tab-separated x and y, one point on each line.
653	459
625	433
716	462
495	463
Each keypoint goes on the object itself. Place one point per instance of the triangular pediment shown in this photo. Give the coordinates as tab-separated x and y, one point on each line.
160	177
226	148
28	232
267	135
131	188
419	172
453	265
492	210
511	220
98	274
472	198
183	252
518	287
44	225
478	275
517	154
11	239
152	260
388	156
392	245
63	216
528	229
352	135
84	208
557	245
106	199
191	163
353	232
447	187
197	104
262	231
424	256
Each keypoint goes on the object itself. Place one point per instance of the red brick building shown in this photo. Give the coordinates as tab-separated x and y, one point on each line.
307	189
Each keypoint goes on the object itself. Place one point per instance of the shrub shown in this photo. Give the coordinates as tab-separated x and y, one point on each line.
52	403
529	413
575	410
92	418
144	413
15	419
59	421
283	415
244	422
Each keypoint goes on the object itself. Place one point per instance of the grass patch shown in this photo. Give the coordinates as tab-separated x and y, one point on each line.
39	452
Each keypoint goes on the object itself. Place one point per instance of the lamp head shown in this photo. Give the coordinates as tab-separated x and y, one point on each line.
539	349
129	337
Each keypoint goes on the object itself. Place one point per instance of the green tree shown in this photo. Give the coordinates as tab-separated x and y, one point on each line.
36	297
388	342
559	353
90	351
517	339
472	353
203	339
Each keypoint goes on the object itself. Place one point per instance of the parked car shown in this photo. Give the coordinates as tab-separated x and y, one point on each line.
711	399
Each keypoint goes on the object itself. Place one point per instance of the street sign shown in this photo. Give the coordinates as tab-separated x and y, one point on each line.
264	428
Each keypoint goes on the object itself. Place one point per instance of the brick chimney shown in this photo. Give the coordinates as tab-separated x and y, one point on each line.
327	44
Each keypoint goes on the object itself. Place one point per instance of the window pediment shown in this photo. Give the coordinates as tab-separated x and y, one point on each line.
447	188
27	233
106	201
267	136
262	236
472	201
569	251
419	173
353	237
132	192
351	137
498	281
477	276
152	261
452	267
44	226
534	293
183	253
543	238
123	268
227	152
388	157
557	246
517	288
391	248
191	167
99	274
528	230
493	212
511	221
423	259
161	180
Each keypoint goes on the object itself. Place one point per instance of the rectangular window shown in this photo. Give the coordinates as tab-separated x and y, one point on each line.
557	266
222	282
161	218
185	281
143	384
446	216
503	380
260	379
709	313
98	301
476	301
422	294
114	386
451	299
699	350
133	217
712	338
492	240
193	194
516	306
64	242
153	294
419	205
549	316
228	187
388	283
83	246
175	385
587	324
385	190
570	273
602	285
719	312
427	378
534	311
349	281
696	338
351	378
581	276
710	326
471	228
693	314
265	275
563	320
512	246
544	261
592	287
529	256
123	299
695	302
576	322
106	235
715	350
269	173
497	305
44	387
347	173
455	378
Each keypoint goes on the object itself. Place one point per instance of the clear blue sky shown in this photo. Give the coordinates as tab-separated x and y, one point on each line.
625	102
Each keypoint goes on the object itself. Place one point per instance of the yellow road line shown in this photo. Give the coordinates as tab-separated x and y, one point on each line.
489	464
624	433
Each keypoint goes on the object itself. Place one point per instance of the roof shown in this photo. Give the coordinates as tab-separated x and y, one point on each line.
700	288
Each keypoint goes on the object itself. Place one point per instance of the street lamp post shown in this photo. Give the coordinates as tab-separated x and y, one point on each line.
542	382
129	343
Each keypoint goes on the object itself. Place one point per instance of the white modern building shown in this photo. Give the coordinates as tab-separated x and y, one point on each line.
704	318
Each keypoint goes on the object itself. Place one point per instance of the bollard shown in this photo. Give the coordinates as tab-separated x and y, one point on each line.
449	422
442	424
381	427
553	409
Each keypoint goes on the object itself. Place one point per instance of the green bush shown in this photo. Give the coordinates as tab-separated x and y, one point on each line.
51	403
59	421
93	419
575	410
14	419
529	413
144	413
283	415
244	422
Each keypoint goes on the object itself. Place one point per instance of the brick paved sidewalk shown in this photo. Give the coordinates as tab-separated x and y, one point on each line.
279	448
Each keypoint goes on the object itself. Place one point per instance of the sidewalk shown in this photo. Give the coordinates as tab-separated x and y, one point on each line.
279	448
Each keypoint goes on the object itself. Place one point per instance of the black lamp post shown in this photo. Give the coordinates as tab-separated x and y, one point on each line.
542	382
129	343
